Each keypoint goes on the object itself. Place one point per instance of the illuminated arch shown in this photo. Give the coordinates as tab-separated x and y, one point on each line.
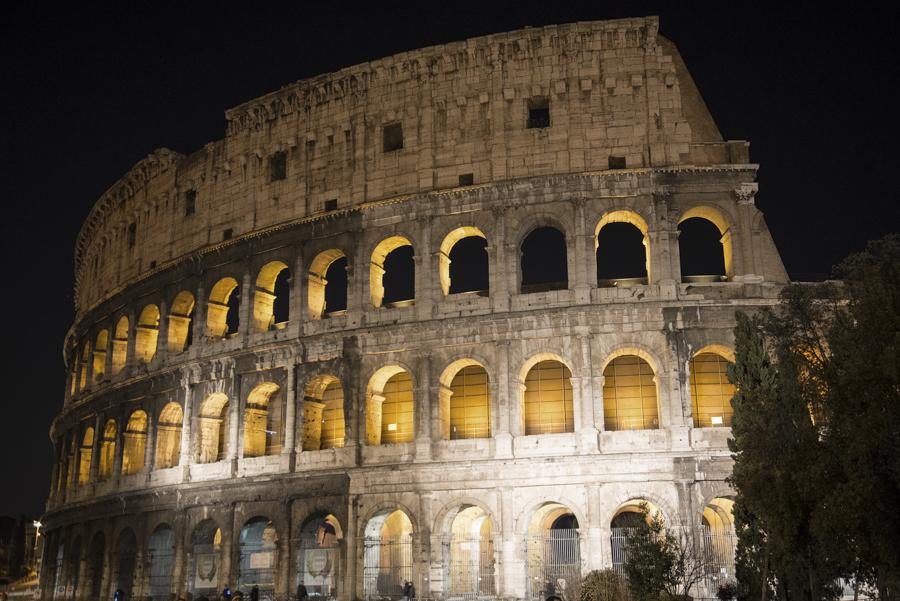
135	443
377	268
628	517
718	219
630	399
390	413
168	436
83	380
553	550
146	334
624	217
465	400
266	299
213	428
180	319
470	553
120	345
449	242
262	421
318	287
99	361
319	559
711	392
108	449
222	309
86	455
206	558
388	560
258	555
323	414
547	395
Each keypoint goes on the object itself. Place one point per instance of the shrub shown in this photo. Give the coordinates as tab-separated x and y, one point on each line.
603	585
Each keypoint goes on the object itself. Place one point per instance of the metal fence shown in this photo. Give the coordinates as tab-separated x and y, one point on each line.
387	564
470	568
553	561
161	562
317	568
257	568
203	578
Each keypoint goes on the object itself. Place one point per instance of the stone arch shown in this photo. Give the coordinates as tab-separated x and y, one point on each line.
262	421
72	564
120	345
390	396
222	314
548	403
378	271
271	299
205	558
445	515
161	557
135	443
124	562
108	449
625	519
387	553
181	316
722	222
553	549
323	297
465	400
99	359
146	336
630	390
168	436
607	273
319	558
85	456
711	391
324	425
94	561
469	560
258	554
543	258
449	243
213	418
83	379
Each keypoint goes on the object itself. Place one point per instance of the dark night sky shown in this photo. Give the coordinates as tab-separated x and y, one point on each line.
87	94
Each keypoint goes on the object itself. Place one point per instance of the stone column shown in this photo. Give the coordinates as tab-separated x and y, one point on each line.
150	449
162	336
178	568
186	455
198	325
246	309
120	450
512	561
229	542
429	554
290	414
593	530
352	585
499	263
422	408
283	554
425	292
95	451
130	345
588	426
297	311
503	409
577	258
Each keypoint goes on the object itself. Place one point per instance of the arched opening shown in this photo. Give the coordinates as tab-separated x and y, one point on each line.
271	300
327	284
100	345
146	334
258	549
387	555
94	565
168	436
213	428
86	455
73	568
262	421
120	345
135	443
108	449
711	392
718	541
57	578
70	460
83	380
548	405
389	407
124	563
543	260
180	320
704	246
629	395
464	262
161	557
223	309
622	249
465	401
205	559
469	555
318	556
323	414
392	273
553	553
627	519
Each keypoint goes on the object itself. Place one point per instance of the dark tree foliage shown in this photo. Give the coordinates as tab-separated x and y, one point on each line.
816	440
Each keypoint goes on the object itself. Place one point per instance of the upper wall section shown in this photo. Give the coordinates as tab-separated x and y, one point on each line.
616	95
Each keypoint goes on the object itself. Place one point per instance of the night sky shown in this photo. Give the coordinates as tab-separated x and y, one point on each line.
88	94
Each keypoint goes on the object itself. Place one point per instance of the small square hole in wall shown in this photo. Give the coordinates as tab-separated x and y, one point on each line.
538	112
152	264
277	166
190	202
393	136
227	234
617	162
132	234
466	179
331	205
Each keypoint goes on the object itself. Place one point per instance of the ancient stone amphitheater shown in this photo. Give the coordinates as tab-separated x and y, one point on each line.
428	318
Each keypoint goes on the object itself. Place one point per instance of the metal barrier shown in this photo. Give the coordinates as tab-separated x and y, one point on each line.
553	565
470	569
387	564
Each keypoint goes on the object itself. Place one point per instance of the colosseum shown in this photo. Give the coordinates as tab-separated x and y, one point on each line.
433	318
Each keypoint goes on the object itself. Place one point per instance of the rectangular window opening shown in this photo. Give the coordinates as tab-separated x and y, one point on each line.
538	112
331	205
616	162
278	166
190	202
393	137
466	179
132	234
227	234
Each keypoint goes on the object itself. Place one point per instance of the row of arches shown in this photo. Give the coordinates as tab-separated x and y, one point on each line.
467	546
465	403
621	243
